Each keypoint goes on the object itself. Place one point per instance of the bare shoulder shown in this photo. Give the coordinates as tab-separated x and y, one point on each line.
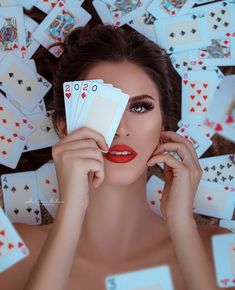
34	237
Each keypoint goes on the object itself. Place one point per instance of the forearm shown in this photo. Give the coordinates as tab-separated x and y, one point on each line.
193	259
56	258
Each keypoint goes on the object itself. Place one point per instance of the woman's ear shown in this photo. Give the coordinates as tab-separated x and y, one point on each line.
61	127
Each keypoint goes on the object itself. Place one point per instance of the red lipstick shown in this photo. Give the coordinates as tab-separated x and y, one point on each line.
120	158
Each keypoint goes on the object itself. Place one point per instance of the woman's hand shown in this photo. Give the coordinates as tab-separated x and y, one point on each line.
181	177
78	157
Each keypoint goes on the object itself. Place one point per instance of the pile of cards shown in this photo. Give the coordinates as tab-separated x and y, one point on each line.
94	104
22	192
12	248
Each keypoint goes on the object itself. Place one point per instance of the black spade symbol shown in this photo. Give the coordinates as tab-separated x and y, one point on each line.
29	209
16	211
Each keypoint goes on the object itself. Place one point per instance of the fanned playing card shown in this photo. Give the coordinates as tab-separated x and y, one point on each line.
154	278
224	259
20	197
21	82
219	169
62	19
12	248
221	112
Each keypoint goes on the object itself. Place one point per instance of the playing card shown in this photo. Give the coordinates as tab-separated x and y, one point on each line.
224	259
220	52
205	130
44	135
219	169
197	137
20	197
46	5
168	8
48	191
228	224
214	199
221	112
13	119
198	90
12	33
103	110
67	89
182	32
64	17
11	147
12	248
31	44
154	189
144	24
120	13
19	81
5	3
154	278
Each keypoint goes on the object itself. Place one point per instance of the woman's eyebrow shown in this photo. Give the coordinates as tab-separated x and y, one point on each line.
140	98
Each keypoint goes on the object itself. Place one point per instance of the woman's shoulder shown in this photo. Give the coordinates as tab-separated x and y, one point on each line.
34	237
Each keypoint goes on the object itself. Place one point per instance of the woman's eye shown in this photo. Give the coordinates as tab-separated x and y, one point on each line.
141	108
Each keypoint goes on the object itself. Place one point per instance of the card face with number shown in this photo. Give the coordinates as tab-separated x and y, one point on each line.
48	191
224	259
154	190
166	8
21	198
181	33
221	112
12	33
63	18
103	110
214	199
12	248
198	89
219	169
154	278
21	82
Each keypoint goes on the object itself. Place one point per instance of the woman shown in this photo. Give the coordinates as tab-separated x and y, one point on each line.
104	225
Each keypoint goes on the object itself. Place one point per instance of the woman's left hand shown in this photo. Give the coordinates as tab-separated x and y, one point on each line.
181	177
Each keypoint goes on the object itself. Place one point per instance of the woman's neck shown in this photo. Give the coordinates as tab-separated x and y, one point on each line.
118	222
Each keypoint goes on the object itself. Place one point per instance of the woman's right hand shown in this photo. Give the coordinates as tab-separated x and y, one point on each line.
76	157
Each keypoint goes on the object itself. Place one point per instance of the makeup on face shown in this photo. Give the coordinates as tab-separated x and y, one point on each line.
120	154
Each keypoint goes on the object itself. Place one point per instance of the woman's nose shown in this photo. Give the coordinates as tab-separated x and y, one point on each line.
123	129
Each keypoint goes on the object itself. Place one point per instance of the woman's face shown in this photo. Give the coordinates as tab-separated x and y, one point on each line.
141	122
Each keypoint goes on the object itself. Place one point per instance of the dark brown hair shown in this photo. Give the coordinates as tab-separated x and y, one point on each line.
85	47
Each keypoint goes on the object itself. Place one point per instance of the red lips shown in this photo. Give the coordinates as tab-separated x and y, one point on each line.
120	158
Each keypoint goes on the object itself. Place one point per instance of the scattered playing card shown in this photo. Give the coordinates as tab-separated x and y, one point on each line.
20	197
224	259
158	278
12	248
154	189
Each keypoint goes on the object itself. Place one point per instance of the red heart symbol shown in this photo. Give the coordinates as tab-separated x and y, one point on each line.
59	39
208	135
68	95
53	5
64	12
226	42
202	54
20	245
118	23
1	243
199	104
199	91
2	232
200	62
10	246
204	110
116	15
192	97
226	188
225	281
182	130
209	198
228	34
15	46
61	4
218	127
229	119
173	12
192	110
23	48
152	202
204	97
192	85
205	85
185	82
